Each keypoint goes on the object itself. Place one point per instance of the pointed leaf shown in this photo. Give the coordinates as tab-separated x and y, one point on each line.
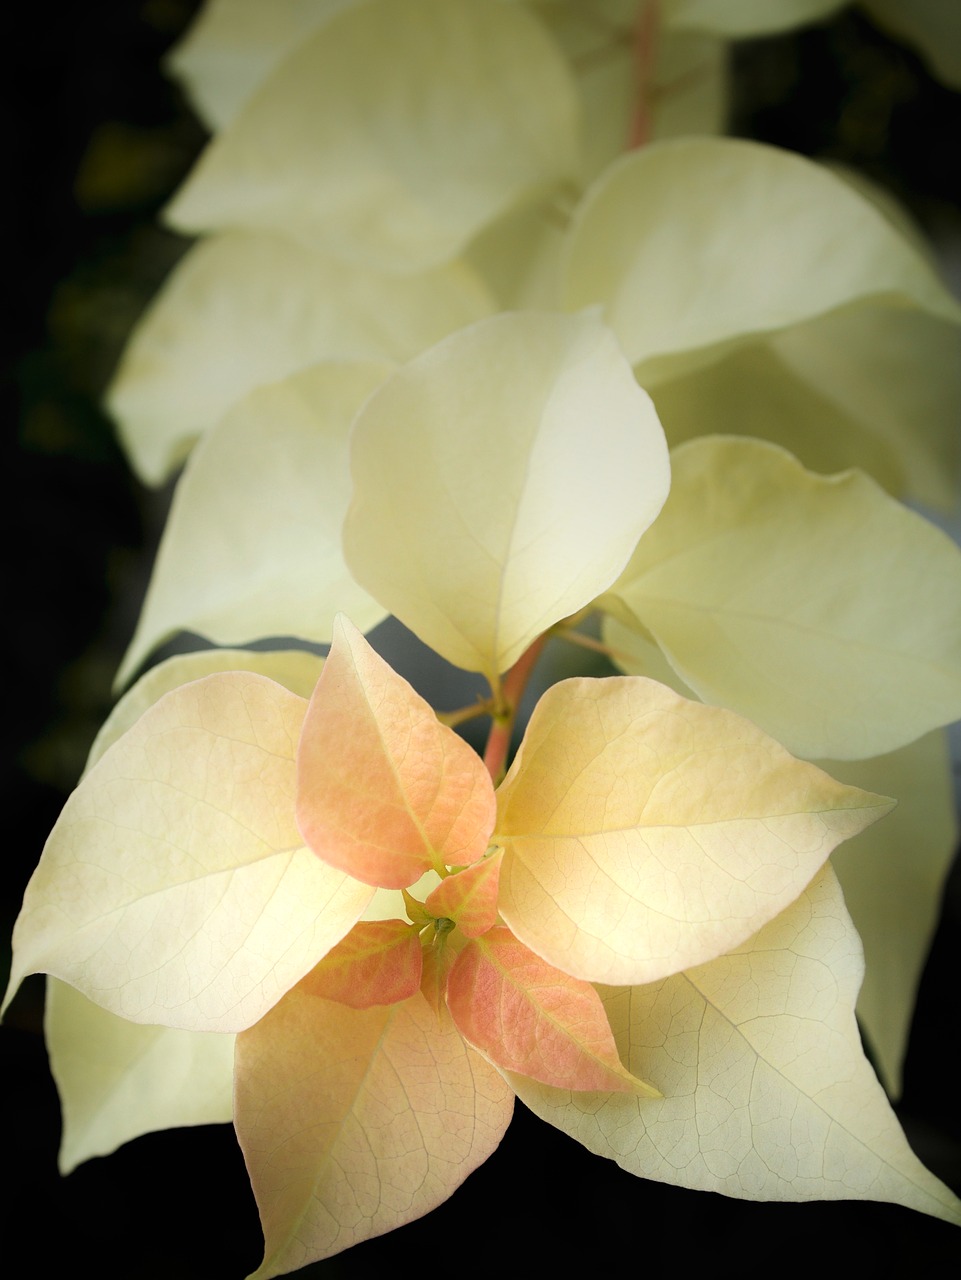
532	486
379	962
527	1016
233	44
767	1093
683	275
244	309
874	387
816	605
296	669
175	887
252	543
645	833
393	134
893	876
353	1122
384	790
470	897
118	1079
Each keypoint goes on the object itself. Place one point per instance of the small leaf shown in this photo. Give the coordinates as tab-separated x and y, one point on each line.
533	485
354	1122
296	669
815	605
252	544
470	897
684	274
645	833
393	134
767	1093
527	1016
232	45
385	791
378	962
877	388
117	1079
893	876
244	309
175	887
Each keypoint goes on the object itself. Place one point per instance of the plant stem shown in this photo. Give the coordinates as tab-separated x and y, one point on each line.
645	53
482	707
505	712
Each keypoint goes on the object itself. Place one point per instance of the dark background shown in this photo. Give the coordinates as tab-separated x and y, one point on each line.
97	141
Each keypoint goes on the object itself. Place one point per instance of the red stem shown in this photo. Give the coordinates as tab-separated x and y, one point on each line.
645	52
512	690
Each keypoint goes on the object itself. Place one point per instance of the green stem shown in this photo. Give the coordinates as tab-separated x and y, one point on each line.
483	707
596	646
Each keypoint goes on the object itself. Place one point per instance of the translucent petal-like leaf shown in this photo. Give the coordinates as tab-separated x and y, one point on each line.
501	480
353	1122
645	833
527	1016
384	790
816	605
243	309
295	669
767	1093
470	897
745	17
233	45
893	876
896	375
868	386
118	1079
685	274
175	887
932	26
379	962
252	544
394	133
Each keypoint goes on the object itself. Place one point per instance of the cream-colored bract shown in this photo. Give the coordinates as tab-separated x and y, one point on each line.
683	243
353	1122
815	605
893	876
501	480
118	1080
232	45
247	308
768	1094
175	887
356	144
893	873
645	833
252	542
873	387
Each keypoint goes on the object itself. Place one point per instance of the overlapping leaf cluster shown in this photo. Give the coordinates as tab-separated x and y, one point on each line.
444	243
